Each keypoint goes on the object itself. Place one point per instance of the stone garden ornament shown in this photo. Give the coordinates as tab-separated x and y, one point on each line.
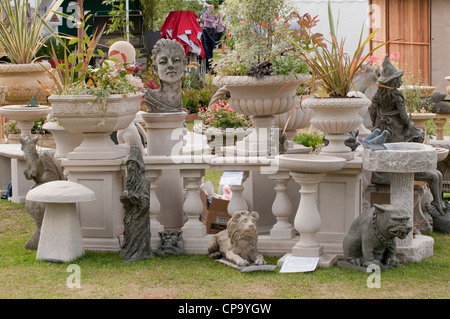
171	242
168	62
371	237
41	168
136	202
389	116
236	246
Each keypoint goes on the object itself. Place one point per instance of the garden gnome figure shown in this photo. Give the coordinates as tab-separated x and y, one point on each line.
136	202
388	112
168	62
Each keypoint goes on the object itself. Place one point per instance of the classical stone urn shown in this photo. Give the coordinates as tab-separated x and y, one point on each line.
96	119
217	137
65	141
336	117
22	82
261	99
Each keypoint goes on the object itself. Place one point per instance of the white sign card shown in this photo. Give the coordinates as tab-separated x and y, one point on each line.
231	178
299	264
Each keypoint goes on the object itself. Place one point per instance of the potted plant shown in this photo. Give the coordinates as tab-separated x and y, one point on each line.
315	141
337	108
21	37
261	73
94	100
222	126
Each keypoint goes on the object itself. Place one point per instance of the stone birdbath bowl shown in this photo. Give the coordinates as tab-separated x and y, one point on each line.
401	160
308	170
25	115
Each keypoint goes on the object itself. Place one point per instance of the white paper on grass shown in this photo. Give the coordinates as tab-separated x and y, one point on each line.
299	264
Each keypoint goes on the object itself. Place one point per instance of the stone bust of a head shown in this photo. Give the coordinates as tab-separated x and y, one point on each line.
168	63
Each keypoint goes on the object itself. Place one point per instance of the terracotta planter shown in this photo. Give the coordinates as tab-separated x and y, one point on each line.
261	99
22	83
96	120
336	117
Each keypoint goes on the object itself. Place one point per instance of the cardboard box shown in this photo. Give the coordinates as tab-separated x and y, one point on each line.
217	216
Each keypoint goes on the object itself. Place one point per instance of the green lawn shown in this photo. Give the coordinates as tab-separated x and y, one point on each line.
106	275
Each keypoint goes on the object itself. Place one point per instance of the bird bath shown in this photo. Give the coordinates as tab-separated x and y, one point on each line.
401	160
24	115
308	170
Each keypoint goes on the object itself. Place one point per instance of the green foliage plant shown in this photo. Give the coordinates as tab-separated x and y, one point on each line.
118	18
313	140
75	74
414	91
333	70
258	46
21	39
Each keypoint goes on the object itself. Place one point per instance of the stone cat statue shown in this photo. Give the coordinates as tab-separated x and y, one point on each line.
371	237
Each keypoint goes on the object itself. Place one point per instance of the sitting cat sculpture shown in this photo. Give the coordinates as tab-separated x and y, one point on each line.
371	238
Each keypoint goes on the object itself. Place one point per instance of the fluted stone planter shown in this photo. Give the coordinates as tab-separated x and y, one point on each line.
261	99
65	142
21	82
219	137
96	120
293	120
336	117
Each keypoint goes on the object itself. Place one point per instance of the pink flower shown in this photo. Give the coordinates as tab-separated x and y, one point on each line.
394	56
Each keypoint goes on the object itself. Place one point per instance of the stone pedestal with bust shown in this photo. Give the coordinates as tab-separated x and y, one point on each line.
164	124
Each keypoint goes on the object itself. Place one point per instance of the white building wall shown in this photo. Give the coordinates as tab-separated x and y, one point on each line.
351	14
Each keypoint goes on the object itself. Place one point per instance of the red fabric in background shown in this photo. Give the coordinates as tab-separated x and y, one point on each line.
179	22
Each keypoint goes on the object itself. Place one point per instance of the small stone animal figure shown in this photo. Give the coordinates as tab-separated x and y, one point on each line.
238	243
375	140
130	136
371	238
41	168
171	243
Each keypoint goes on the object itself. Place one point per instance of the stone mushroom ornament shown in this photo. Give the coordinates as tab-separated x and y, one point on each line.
61	239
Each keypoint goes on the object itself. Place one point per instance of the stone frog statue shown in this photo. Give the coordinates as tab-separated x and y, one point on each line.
371	238
238	243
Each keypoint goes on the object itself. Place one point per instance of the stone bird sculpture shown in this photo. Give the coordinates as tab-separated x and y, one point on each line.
375	141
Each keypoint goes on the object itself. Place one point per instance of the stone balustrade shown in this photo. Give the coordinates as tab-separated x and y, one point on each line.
280	236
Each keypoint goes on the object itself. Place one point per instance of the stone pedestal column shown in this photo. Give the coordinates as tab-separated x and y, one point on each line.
402	160
307	220
282	207
193	204
101	220
165	138
402	195
155	207
237	201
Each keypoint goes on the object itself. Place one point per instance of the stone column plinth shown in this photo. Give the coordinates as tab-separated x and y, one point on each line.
101	220
308	170
193	205
165	138
402	160
282	207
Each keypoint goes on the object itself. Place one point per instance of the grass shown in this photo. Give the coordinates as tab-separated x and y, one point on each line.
106	275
